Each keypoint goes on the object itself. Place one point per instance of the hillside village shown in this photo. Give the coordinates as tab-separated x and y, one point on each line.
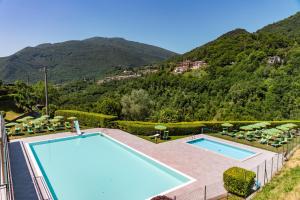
188	65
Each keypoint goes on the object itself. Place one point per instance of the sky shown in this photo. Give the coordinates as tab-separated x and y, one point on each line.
177	25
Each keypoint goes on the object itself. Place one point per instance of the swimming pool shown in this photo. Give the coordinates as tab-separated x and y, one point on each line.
96	166
222	148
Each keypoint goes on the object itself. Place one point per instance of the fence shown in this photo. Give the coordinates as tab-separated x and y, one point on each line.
264	173
6	187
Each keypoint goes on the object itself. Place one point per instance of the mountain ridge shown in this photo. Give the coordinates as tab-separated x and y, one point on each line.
77	59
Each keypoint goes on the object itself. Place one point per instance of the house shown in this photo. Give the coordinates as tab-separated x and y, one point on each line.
198	64
273	60
189	65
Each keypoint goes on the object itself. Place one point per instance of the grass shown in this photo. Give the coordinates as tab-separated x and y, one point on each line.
254	143
11	115
161	141
285	185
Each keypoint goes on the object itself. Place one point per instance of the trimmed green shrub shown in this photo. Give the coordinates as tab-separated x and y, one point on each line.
147	128
239	181
88	118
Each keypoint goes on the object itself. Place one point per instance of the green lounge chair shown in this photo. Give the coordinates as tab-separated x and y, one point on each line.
276	143
224	132
284	140
263	141
9	132
166	135
37	129
50	128
17	131
24	125
29	130
250	137
68	125
240	136
231	134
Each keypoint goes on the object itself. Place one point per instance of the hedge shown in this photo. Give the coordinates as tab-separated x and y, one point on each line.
239	181
88	118
147	128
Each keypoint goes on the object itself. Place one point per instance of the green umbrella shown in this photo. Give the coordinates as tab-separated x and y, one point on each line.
246	128
227	125
283	128
28	118
22	120
11	124
45	116
71	118
54	120
59	117
160	127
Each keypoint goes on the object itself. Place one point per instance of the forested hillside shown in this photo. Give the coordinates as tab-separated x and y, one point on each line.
74	60
240	82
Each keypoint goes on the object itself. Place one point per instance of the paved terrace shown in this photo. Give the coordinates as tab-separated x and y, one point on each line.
205	166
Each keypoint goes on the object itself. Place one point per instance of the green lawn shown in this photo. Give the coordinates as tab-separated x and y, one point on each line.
160	141
285	185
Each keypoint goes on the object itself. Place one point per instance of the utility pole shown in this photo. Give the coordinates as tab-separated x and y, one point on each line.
46	90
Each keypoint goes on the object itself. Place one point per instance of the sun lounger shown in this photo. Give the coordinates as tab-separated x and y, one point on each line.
154	136
166	135
67	125
49	128
29	130
276	143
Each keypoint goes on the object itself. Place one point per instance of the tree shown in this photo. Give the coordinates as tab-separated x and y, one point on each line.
108	106
168	115
136	106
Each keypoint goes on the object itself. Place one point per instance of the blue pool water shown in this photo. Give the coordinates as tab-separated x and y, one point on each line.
96	167
221	148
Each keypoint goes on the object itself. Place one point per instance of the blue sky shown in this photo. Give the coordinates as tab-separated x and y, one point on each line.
172	24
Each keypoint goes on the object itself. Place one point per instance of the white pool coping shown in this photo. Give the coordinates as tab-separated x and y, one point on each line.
39	172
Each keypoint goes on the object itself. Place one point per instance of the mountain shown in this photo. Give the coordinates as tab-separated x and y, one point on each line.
90	58
249	76
289	27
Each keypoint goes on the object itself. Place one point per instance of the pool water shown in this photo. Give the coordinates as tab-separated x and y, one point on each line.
97	167
221	148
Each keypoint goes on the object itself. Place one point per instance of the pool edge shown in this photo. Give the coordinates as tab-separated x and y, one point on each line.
39	172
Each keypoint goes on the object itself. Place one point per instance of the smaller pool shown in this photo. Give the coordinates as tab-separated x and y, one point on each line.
221	148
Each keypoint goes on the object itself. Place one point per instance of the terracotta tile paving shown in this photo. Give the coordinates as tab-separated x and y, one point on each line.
204	166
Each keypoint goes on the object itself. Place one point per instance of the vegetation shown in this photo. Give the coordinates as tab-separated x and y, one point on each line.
89	59
147	128
87	118
239	181
239	83
158	140
286	184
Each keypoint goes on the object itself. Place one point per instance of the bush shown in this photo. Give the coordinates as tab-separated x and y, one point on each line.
88	118
239	181
161	198
147	128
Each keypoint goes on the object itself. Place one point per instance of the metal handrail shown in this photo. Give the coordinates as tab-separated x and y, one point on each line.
6	170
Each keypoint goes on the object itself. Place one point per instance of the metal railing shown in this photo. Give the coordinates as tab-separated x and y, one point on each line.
6	186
